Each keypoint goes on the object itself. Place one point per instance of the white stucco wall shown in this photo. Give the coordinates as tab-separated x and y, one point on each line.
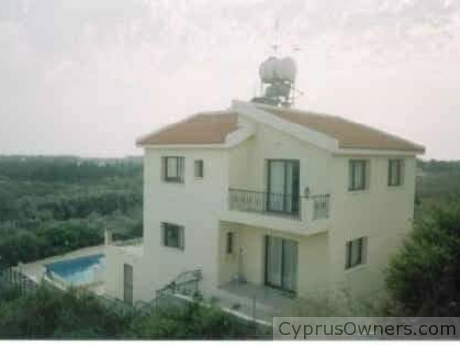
381	213
194	204
248	161
116	257
313	258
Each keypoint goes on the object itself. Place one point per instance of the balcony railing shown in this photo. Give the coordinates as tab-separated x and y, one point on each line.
268	203
318	206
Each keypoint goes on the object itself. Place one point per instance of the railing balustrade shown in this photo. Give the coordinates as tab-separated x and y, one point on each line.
320	206
261	202
279	204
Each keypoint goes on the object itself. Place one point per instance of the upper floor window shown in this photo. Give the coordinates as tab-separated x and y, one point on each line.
395	172
356	250
173	235
173	169
358	174
199	168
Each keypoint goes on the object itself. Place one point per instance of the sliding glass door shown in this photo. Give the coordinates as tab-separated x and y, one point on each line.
283	186
281	258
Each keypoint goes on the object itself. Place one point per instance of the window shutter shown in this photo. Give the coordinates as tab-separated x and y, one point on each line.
389	171
367	174
348	255
163	234
350	175
181	238
402	171
163	168
180	167
364	250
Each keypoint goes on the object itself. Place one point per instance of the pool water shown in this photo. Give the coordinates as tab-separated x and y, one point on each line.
80	271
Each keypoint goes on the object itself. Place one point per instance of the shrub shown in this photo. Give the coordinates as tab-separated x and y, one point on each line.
190	321
423	280
53	314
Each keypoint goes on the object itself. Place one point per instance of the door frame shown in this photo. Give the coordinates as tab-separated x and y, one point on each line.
266	281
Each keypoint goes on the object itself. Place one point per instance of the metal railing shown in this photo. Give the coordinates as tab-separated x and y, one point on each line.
15	278
321	206
268	203
279	204
185	284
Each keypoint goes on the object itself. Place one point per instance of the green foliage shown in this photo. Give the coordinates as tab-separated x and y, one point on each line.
50	314
438	181
191	321
53	314
423	279
52	205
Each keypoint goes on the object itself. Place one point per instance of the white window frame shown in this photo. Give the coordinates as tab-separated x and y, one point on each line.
395	172
199	168
355	252
355	184
165	228
173	174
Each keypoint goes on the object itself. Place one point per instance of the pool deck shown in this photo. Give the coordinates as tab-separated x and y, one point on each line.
35	270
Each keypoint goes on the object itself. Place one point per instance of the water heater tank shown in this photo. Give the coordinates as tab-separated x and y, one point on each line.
278	69
287	69
268	70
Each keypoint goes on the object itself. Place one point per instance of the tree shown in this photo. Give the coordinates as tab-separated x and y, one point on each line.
424	279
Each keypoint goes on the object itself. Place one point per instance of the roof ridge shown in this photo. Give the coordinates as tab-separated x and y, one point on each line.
296	110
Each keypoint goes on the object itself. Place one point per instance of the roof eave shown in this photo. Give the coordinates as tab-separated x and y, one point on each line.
379	151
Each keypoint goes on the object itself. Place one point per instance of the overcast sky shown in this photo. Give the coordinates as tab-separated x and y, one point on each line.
87	77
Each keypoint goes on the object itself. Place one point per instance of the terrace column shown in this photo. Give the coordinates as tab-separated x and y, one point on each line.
108	237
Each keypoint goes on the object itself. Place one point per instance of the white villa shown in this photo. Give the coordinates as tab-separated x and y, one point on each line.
268	197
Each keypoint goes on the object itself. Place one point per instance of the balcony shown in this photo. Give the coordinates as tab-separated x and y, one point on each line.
281	205
294	212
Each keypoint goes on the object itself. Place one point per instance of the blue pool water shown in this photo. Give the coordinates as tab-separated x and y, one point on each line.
79	271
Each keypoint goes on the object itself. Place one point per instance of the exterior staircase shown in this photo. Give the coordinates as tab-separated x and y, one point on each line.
186	284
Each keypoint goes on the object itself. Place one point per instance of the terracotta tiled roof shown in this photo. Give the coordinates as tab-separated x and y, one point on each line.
203	128
351	135
213	127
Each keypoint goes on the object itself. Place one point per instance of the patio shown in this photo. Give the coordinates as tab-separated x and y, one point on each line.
255	301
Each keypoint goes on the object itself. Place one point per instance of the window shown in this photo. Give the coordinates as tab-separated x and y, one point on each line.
173	235
355	252
199	168
229	248
358	174
173	169
395	171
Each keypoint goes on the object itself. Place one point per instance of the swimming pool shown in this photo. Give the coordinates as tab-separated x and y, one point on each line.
80	271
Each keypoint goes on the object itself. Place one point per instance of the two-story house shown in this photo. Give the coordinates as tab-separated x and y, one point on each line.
270	197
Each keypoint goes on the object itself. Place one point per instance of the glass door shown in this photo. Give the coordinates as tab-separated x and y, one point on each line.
281	257
283	186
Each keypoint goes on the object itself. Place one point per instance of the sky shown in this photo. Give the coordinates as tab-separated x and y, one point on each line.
88	77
